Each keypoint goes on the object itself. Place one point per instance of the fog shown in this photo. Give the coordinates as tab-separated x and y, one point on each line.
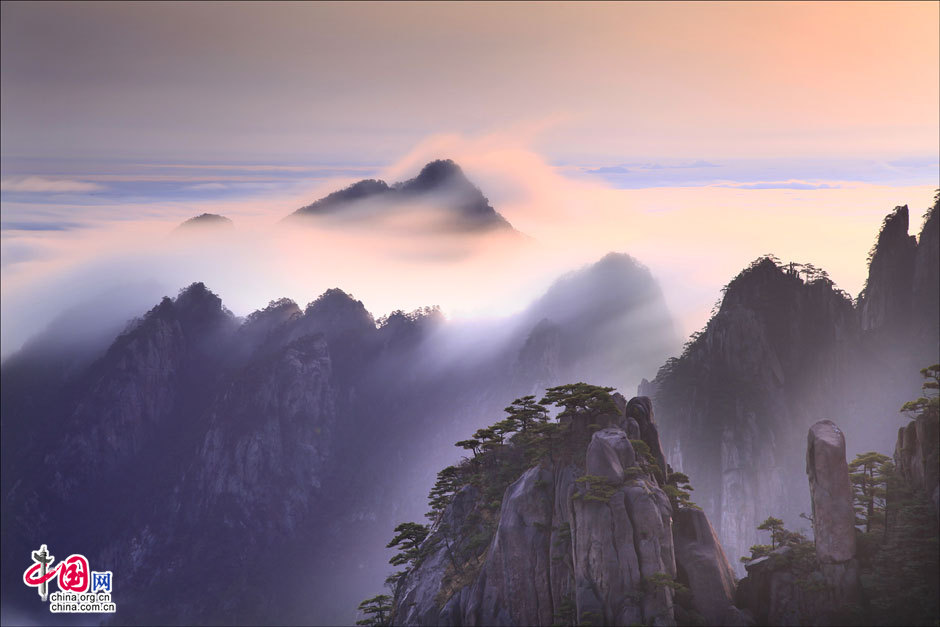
693	239
541	304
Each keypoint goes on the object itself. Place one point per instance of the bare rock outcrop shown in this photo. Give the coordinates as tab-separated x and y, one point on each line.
833	512
703	566
777	592
577	541
916	458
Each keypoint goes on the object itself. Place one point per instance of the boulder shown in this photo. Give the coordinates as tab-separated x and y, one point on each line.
833	511
831	493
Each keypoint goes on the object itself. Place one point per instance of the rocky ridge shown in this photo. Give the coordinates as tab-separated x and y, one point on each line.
197	446
785	349
563	553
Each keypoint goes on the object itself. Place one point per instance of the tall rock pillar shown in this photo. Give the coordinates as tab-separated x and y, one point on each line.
833	512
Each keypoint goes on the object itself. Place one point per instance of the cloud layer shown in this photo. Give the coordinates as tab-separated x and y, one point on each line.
693	239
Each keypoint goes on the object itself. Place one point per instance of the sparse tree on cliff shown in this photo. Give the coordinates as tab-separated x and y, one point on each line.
869	474
378	611
927	405
775	527
470	445
408	538
527	413
446	486
581	398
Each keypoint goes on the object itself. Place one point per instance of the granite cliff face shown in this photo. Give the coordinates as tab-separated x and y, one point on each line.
917	458
567	552
784	350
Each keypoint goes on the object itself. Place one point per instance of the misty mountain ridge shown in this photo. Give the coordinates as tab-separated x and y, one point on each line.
440	184
241	435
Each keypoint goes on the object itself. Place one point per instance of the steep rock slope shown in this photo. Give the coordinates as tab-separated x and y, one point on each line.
736	404
784	350
589	538
917	458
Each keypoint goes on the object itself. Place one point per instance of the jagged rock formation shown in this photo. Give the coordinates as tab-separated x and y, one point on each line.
563	553
886	300
833	508
440	183
785	349
804	583
917	460
847	576
735	406
195	448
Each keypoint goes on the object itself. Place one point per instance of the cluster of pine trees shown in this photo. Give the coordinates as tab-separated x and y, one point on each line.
497	455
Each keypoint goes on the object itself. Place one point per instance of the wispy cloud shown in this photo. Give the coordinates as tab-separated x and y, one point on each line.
609	169
42	184
631	168
39	226
781	185
207	186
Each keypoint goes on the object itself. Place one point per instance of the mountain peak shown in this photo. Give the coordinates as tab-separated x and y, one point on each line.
331	299
440	184
197	305
435	174
203	221
335	310
893	232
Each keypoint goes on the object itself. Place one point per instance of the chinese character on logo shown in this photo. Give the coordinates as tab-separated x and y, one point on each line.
101	582
73	574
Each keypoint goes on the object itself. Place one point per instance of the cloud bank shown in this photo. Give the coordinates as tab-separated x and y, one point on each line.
692	238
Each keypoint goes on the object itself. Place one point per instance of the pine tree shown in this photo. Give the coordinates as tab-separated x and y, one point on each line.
408	538
527	413
775	527
868	472
445	488
470	445
591	401
927	405
378	611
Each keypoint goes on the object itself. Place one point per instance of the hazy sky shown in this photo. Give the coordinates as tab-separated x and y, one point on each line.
363	82
694	136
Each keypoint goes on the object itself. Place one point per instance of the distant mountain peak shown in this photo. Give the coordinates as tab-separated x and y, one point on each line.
440	183
435	174
205	220
331	299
